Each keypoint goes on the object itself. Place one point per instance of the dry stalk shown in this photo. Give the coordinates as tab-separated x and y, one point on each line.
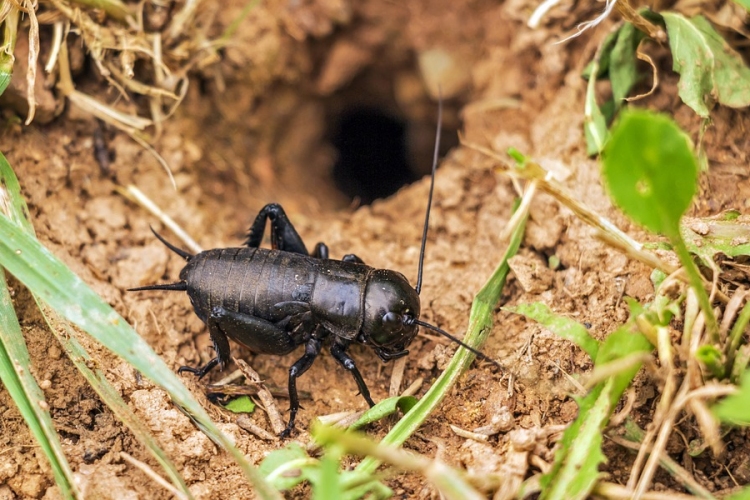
137	196
608	232
675	469
153	475
265	396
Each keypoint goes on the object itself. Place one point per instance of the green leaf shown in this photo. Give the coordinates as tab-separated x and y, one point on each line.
561	326
650	170
710	356
17	378
594	124
622	66
743	494
617	345
734	409
731	75
604	56
329	484
706	237
288	467
6	70
576	467
383	409
746	5
242	404
709	69
516	155
692	59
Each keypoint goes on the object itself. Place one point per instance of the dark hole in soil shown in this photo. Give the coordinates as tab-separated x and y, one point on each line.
373	157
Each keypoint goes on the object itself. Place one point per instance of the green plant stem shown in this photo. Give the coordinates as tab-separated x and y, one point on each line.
480	326
697	283
447	480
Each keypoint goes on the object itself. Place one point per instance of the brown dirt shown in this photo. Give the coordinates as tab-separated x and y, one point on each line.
254	131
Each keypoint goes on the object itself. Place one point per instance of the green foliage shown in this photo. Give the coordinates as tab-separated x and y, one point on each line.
743	3
576	467
18	380
623	73
594	123
650	170
560	325
384	408
708	237
289	466
710	356
651	173
15	208
617	62
710	71
242	404
735	409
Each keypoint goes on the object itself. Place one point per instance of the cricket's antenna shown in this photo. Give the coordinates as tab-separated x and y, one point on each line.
447	335
418	288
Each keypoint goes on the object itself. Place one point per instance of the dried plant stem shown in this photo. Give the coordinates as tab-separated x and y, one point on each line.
137	196
618	492
683	397
668	464
397	377
631	15
265	396
665	353
29	8
153	475
609	233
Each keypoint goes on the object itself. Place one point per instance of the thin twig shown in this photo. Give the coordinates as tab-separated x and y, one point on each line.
265	396
397	377
153	475
668	464
137	196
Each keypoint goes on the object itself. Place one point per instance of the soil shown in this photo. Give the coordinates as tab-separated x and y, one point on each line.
255	128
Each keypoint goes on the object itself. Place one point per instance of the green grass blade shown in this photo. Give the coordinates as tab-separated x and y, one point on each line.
71	298
576	468
16	376
734	409
66	335
561	326
15	207
480	326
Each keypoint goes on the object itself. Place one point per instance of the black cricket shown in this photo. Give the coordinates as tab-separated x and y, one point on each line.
274	300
